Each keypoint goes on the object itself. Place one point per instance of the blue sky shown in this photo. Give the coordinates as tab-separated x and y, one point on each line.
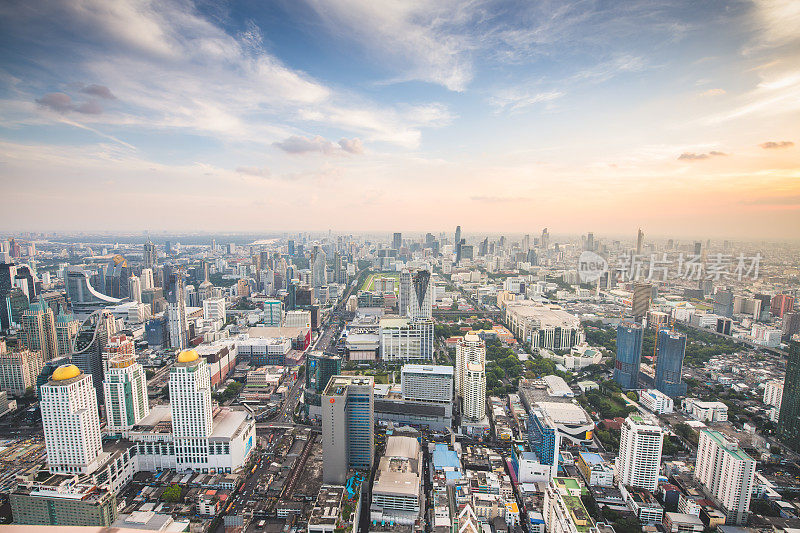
352	114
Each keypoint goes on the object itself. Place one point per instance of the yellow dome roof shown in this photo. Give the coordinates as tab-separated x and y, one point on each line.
65	372
187	356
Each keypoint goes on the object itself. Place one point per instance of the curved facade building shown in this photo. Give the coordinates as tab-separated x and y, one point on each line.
84	298
629	355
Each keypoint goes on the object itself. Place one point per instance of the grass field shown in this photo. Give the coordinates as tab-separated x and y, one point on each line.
369	283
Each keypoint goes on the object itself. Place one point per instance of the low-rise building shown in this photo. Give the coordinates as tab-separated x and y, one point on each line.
596	471
63	501
705	411
656	401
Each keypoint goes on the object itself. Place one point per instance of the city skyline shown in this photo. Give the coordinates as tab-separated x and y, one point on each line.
316	115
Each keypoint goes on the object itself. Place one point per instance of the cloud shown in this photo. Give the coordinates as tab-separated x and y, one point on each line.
691	156
515	100
259	172
58	102
101	91
713	92
92	107
353	146
301	145
771	145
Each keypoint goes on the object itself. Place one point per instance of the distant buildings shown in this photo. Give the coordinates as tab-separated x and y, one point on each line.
543	326
640	300
39	331
669	365
348	439
639	458
629	355
727	473
789	418
781	304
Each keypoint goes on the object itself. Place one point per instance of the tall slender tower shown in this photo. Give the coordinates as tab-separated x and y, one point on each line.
629	355
639	458
639	241
789	417
190	403
470	349
125	390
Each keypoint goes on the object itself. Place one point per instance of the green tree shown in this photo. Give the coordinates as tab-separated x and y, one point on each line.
172	493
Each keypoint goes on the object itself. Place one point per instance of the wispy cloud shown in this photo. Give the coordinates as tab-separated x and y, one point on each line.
303	145
713	92
691	156
772	145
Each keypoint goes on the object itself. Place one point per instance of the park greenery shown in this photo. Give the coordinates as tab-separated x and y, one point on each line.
172	493
231	391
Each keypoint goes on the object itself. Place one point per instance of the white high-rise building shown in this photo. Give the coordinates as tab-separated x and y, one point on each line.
420	301
727	473
190	403
214	309
178	325
474	404
470	349
125	394
405	292
71	423
135	288
146	278
773	393
319	269
639	458
428	383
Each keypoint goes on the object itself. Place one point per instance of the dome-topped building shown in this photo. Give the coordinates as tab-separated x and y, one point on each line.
65	372
187	356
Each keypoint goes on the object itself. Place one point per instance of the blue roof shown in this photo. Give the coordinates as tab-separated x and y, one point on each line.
452	475
443	457
592	458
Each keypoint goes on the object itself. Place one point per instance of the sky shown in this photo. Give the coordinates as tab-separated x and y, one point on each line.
679	117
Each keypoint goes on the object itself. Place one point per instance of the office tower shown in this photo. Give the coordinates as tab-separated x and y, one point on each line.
629	355
698	248
319	268
320	368
116	277
639	458
39	331
66	330
397	241
469	349
405	292
669	365
214	309
71	423
640	300
146	279
135	289
474	403
290	247
273	313
427	383
190	404
149	255
348	419
420	302
781	303
83	297
590	241
18	371
176	312
125	391
457	238
727	473
789	418
639	241
723	303
90	344
544	438
545	239
8	271
790	325
291	294
526	243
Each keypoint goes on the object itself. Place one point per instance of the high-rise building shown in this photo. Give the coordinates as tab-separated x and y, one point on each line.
90	345
348	419
135	288
723	303
474	402
320	368
590	241
190	404
18	370
544	438
125	389
639	458
639	241
727	473
629	355
273	313
71	423
427	383
457	237
469	349
640	300
669	364
214	309
790	325
176	312
8	271
789	418
149	255
39	331
83	297
781	303
405	292
66	330
319	268
420	303
60	501
146	279
397	241
545	239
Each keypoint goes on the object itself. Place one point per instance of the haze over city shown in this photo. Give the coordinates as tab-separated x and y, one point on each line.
347	115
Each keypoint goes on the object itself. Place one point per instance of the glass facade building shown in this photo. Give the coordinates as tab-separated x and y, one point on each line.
789	418
669	365
629	355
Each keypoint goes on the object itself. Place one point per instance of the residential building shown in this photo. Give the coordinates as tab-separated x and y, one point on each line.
727	473
125	392
639	458
347	426
656	401
429	383
474	398
470	349
781	304
39	330
214	309
66	330
705	411
71	422
563	509
629	355
773	393
640	300
18	371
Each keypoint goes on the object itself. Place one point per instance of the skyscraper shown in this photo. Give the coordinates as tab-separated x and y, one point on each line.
190	404
781	303
320	368
590	241
629	355
405	292
176	312
789	417
71	423
727	473
790	325
420	310
125	389
474	403
457	238
640	300
90	344
319	268
469	349
39	330
545	240
146	278
639	458
669	365
639	241
135	288
348	419
66	330
397	241
149	255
